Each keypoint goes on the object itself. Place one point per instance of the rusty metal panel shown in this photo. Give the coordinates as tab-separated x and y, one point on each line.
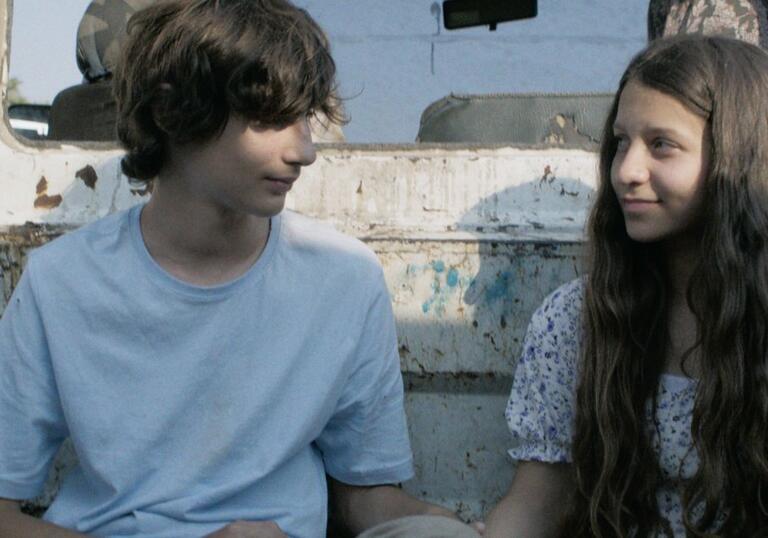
463	305
462	308
15	243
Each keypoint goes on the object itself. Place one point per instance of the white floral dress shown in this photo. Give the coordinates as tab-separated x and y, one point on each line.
540	410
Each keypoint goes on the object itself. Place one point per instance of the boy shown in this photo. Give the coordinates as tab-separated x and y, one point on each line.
210	357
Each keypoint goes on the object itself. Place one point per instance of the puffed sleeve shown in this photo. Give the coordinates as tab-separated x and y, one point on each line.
31	419
540	408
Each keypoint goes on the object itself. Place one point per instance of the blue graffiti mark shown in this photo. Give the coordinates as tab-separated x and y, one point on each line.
499	289
452	279
436	285
444	285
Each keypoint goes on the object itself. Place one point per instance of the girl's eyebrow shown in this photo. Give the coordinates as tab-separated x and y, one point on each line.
666	131
653	131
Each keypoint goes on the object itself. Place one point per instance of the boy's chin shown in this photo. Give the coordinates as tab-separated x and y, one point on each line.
266	212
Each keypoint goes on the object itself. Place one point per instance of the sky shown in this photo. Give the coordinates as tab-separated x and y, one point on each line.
392	56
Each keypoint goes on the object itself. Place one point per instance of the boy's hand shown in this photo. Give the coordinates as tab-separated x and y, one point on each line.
249	529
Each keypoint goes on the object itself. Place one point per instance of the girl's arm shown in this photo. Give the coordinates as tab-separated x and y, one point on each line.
534	504
359	508
15	524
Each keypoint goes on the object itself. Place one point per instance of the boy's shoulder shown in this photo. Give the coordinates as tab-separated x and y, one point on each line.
319	240
75	244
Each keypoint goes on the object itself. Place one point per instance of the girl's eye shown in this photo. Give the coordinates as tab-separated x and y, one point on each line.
661	144
621	141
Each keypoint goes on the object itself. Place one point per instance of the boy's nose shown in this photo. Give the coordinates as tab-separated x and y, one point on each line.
299	147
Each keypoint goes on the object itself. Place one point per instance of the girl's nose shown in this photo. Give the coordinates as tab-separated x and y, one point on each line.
629	166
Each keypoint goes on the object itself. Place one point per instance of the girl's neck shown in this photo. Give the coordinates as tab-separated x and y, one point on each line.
680	260
681	256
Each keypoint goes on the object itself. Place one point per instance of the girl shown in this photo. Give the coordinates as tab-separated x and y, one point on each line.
640	403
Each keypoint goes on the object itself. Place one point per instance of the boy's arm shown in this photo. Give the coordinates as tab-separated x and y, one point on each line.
534	504
361	507
15	524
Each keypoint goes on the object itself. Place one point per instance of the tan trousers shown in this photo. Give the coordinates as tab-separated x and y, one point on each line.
421	527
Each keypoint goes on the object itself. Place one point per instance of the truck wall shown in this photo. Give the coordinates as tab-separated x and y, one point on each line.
471	239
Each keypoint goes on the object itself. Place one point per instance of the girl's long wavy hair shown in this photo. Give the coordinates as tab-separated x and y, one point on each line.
625	316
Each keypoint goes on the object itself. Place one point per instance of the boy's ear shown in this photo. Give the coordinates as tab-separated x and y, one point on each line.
163	101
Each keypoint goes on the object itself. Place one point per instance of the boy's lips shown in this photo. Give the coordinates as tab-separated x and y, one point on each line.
282	184
287	179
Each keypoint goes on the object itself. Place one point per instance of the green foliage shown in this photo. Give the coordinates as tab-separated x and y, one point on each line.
14	93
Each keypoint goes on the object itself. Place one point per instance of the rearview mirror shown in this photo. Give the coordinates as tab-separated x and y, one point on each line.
30	121
464	13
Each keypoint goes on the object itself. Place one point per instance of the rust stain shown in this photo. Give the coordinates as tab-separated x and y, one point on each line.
43	201
548	176
88	175
563	130
564	192
30	234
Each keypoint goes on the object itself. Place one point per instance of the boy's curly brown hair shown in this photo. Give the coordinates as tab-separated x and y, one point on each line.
188	64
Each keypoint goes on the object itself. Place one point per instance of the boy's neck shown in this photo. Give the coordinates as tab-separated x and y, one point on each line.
197	241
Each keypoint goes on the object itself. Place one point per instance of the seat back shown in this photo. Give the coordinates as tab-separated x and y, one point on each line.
562	120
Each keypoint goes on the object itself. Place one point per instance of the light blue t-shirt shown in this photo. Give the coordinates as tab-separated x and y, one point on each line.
193	407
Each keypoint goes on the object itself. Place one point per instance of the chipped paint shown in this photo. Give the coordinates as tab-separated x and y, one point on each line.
43	200
42	186
464	278
88	175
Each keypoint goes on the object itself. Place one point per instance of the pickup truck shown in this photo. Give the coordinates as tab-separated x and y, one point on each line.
472	234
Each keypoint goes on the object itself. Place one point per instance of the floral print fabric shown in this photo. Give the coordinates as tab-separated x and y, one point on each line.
540	410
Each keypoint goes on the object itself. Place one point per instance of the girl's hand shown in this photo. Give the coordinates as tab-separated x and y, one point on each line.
479	527
249	529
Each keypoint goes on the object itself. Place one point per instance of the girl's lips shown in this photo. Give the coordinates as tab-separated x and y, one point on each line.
634	204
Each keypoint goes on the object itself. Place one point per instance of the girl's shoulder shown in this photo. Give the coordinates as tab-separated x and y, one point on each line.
553	340
561	309
540	408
